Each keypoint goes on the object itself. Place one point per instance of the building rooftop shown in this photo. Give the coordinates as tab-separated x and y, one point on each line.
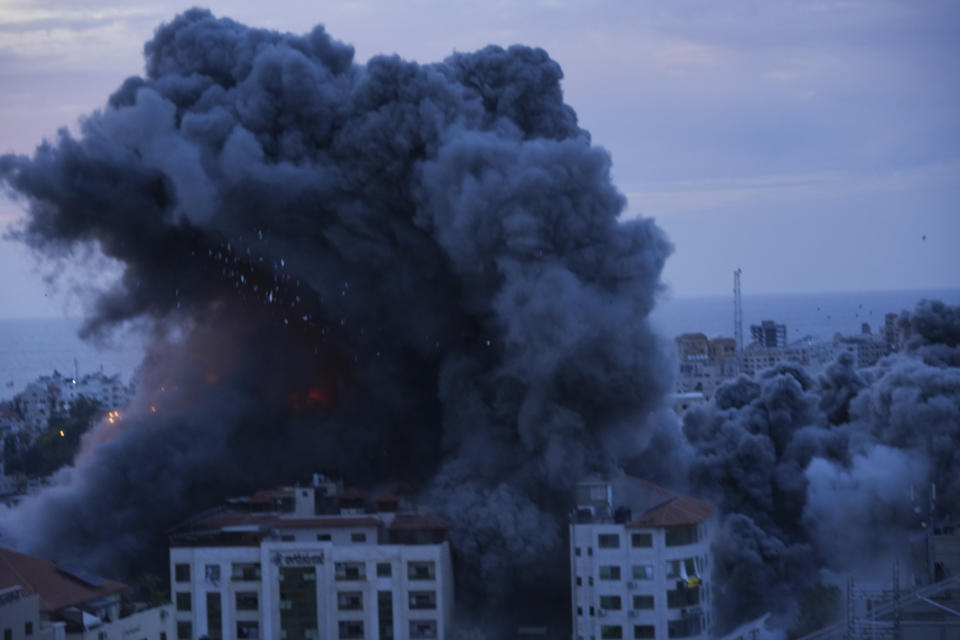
638	504
669	508
57	587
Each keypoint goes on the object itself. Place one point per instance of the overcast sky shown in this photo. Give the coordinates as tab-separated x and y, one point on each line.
816	144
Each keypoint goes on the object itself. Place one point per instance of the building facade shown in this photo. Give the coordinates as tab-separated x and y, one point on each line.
290	575
640	562
769	334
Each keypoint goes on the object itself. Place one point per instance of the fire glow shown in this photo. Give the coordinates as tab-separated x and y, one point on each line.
311	398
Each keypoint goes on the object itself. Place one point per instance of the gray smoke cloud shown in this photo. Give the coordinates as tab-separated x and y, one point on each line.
384	270
820	474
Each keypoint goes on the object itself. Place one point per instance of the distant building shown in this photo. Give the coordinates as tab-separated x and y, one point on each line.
866	350
44	601
312	562
640	562
704	364
769	334
51	395
693	344
722	349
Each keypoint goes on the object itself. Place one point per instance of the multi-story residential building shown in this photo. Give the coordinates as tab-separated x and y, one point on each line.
865	349
692	344
362	570
769	334
640	562
51	395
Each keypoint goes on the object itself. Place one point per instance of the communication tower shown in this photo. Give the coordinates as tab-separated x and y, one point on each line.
738	314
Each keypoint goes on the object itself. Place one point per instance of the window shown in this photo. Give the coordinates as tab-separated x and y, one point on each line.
245	571
214	615
684	628
384	570
644	631
181	572
579	611
609	572
642	540
350	571
249	629
323	537
385	614
579	581
185	631
421	570
247	601
590	581
643	602
358	537
683	597
589	551
349	600
183	601
608	541
576	552
8	634
350	628
28	628
677	536
423	599
642	572
612	603
423	629
211	574
611	631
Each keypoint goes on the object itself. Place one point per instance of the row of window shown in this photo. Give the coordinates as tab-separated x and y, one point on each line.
419	570
250	571
690	626
245	601
419	629
683	568
246	630
346	630
676	598
615	603
673	537
346	600
353	600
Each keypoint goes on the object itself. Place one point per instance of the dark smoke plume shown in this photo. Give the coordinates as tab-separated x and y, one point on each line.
386	270
818	475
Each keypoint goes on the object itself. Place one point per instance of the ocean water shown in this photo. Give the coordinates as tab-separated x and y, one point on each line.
30	348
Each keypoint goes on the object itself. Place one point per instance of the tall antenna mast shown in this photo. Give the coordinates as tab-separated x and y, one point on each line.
738	314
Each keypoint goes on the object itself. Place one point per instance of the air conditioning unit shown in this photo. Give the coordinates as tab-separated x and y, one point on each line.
632	613
601	612
631	584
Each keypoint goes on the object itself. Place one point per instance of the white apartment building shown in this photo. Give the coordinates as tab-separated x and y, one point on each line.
640	562
40	600
294	575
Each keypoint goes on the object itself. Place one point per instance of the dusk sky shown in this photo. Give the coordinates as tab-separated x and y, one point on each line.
814	144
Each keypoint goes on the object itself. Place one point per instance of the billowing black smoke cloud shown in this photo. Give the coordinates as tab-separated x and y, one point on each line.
823	473
385	270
